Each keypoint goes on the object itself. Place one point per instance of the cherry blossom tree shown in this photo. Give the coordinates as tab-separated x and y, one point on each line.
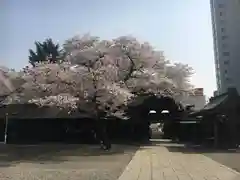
91	84
180	73
6	82
137	65
96	76
70	86
100	72
65	86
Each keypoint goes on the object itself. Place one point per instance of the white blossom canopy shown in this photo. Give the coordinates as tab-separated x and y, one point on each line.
96	71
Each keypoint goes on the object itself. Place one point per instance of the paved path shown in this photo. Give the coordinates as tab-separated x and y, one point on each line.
157	163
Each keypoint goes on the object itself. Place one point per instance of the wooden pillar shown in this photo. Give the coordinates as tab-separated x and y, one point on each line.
232	123
232	130
233	115
216	133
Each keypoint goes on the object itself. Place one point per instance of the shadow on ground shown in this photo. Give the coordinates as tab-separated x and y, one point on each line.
11	155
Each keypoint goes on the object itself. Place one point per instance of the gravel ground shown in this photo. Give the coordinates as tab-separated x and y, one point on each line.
63	162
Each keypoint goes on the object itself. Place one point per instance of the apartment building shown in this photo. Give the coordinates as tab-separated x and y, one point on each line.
226	39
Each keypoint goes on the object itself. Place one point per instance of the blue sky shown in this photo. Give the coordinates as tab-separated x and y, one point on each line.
182	29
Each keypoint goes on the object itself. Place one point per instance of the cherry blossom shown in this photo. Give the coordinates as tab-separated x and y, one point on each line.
95	71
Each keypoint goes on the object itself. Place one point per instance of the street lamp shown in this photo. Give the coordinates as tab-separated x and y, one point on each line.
152	112
165	112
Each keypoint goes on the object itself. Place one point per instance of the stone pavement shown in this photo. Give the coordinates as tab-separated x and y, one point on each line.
158	163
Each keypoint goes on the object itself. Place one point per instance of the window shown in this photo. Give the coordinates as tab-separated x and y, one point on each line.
226	62
226	53
219	83
223	29
222	21
224	45
221	5
218	75
225	71
224	37
221	13
228	79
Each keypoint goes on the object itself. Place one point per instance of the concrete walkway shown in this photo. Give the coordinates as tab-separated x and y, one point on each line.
158	163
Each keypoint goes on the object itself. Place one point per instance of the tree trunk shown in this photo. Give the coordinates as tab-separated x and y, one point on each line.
102	135
100	124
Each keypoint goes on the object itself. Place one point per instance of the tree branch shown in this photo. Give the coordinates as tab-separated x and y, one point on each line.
131	69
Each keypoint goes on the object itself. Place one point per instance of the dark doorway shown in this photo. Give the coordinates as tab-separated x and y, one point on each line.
151	110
